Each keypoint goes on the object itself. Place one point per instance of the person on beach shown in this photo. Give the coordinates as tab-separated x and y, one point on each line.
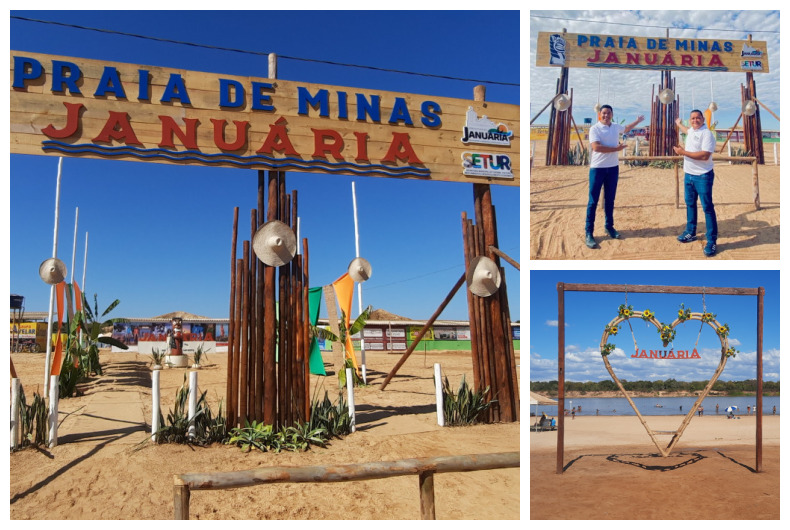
774	410
717	408
698	180
604	170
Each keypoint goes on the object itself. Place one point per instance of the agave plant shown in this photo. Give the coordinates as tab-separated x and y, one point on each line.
255	434
198	355
466	407
157	356
208	428
333	418
33	421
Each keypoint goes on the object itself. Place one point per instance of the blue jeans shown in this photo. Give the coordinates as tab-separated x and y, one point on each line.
700	186
606	178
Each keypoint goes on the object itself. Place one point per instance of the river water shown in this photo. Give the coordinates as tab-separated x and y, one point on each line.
667	406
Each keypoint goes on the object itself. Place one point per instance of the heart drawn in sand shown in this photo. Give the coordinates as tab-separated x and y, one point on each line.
667	332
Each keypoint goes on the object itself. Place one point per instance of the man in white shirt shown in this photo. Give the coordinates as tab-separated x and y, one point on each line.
698	180
604	170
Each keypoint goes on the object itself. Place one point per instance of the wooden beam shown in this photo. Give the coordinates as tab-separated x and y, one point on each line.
424	329
659	289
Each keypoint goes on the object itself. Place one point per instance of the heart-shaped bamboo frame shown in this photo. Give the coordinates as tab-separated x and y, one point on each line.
725	351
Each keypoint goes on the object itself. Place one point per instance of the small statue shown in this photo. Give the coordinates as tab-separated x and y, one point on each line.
177	338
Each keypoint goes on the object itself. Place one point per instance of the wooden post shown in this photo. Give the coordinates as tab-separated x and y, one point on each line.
245	322
270	414
180	500
477	369
755	185
258	282
236	354
759	427
677	185
229	399
560	377
254	407
427	501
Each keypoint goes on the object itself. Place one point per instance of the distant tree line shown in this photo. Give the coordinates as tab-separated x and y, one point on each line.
732	388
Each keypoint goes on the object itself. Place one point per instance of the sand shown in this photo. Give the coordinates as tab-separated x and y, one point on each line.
612	470
102	468
646	216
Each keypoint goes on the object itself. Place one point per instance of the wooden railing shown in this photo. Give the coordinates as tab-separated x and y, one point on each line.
678	159
424	467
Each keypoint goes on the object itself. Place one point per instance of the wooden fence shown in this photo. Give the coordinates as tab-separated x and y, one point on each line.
678	159
424	467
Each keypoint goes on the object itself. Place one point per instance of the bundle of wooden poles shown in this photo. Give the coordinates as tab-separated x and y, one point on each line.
663	130
268	347
493	356
559	140
752	130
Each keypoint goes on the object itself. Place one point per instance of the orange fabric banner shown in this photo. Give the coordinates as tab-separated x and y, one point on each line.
344	291
57	360
78	296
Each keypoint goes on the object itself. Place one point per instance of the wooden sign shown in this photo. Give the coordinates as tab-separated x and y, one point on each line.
63	106
582	50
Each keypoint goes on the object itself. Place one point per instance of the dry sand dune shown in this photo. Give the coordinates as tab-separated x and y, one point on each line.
100	470
646	215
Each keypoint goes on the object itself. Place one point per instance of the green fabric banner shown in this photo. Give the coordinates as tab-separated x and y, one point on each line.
314	301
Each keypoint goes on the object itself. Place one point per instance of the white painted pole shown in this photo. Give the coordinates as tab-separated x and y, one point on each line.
84	263
14	412
48	357
193	376
359	285
54	395
84	268
154	404
298	238
74	246
350	388
729	150
437	379
776	160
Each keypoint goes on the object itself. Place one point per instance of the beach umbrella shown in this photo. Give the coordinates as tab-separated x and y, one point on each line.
537	399
732	408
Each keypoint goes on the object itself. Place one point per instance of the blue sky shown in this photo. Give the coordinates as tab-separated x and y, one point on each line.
159	234
629	91
586	315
